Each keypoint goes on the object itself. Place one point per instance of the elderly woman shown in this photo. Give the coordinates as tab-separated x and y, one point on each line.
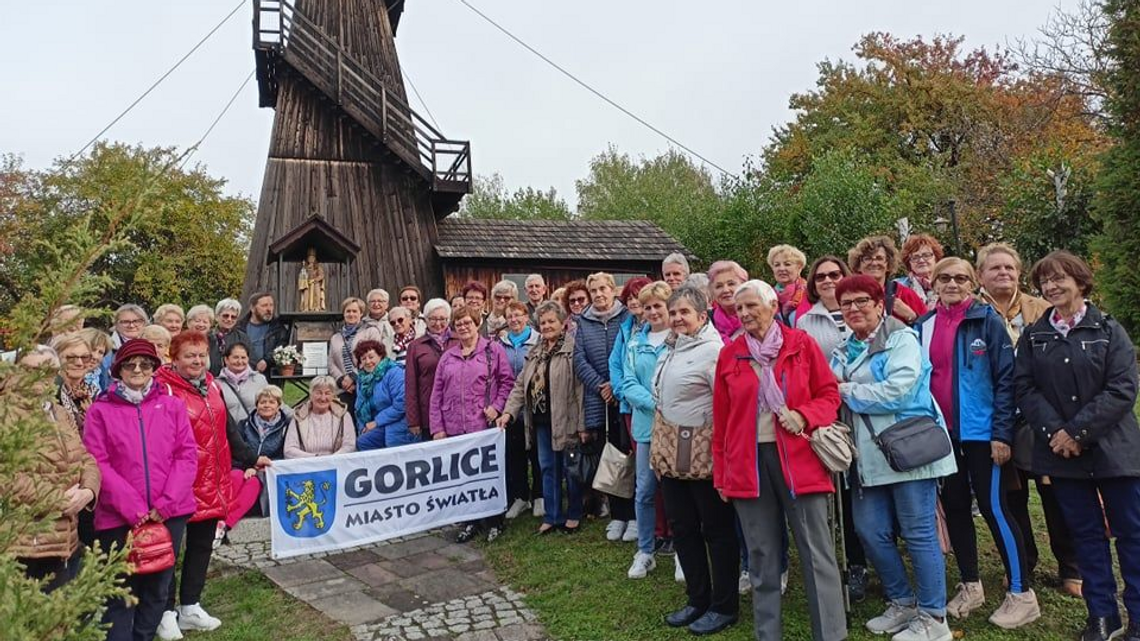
101	344
877	257
884	379
1075	381
264	429
787	263
421	362
675	269
503	293
472	382
823	321
354	331
321	425
144	445
999	271
577	299
724	277
517	340
629	327
920	253
403	333
773	389
240	384
171	317
378	307
548	397
598	328
640	361
76	392
158	336
704	533
972	381
475	296
380	400
412	298
226	312
60	463
200	318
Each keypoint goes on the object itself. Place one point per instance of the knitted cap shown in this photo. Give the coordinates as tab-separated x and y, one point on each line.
132	348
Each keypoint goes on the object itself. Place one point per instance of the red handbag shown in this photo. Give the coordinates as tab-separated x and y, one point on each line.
152	549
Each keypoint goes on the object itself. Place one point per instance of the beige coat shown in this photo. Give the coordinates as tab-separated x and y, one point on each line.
60	463
565	391
308	436
369	332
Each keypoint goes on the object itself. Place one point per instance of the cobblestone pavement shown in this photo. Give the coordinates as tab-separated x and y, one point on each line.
417	587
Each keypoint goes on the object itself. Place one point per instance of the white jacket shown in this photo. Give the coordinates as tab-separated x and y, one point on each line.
683	380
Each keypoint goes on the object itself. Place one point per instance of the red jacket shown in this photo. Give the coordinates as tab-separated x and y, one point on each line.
810	389
208	422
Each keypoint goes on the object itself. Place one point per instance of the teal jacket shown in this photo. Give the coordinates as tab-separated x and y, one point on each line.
638	364
888	382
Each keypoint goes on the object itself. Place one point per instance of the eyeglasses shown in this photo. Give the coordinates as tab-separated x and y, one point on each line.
507	297
398	321
863	302
1055	279
139	366
79	358
377	301
409	298
822	276
434	320
960	279
875	259
578	300
123	321
923	256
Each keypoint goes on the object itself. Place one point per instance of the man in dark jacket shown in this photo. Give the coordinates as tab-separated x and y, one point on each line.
264	331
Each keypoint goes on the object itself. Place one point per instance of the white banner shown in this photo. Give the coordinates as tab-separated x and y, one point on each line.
332	502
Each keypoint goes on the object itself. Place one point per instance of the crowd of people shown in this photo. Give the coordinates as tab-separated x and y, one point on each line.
715	386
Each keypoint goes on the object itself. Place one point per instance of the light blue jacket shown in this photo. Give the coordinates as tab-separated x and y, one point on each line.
617	360
888	382
639	363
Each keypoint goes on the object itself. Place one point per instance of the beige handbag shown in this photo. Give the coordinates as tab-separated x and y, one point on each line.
679	452
833	446
615	473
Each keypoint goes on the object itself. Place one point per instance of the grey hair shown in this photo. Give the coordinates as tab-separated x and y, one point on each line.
43	350
505	286
382	293
676	258
198	310
437	303
227	303
134	309
694	295
534	277
325	381
756	286
698	280
397	312
551	306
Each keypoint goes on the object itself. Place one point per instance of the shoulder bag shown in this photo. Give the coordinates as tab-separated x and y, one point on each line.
833	447
910	443
615	471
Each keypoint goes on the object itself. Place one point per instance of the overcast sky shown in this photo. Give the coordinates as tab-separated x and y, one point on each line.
715	74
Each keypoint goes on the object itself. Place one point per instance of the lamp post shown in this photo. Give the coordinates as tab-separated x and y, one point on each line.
941	223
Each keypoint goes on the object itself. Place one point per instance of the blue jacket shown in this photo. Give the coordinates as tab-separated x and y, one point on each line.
273	443
592	345
984	406
517	355
617	360
640	361
388	400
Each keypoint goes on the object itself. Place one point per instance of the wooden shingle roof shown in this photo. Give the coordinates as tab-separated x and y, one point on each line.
628	240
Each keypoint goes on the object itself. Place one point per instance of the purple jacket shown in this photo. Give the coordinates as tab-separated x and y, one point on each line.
461	385
114	431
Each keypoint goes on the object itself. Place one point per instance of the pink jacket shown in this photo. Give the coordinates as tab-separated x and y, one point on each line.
115	431
461	388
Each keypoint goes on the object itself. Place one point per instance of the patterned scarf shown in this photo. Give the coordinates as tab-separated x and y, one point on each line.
539	386
790	296
1066	325
263	426
131	396
770	398
236	379
726	324
349	333
220	339
401	341
199	384
77	399
365	386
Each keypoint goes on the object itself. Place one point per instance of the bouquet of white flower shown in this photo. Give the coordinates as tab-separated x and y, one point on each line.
287	355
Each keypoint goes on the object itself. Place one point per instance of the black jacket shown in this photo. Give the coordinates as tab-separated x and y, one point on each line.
1086	384
277	336
218	354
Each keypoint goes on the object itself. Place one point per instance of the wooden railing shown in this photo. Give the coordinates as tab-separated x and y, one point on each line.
280	28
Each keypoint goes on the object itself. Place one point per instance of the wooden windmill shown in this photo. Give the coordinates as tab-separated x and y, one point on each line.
347	147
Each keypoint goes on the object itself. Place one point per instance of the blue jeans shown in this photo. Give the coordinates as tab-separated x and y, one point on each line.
373	439
644	509
1081	507
912	505
553	466
397	434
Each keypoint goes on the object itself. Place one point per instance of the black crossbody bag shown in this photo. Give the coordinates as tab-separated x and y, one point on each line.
910	443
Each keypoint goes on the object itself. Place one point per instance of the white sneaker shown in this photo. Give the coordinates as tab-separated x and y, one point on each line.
193	617
783	581
615	530
970	597
630	533
539	510
642	564
168	627
1017	610
744	585
896	617
517	508
925	628
678	573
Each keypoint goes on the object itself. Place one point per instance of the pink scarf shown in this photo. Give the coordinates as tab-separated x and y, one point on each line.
790	296
236	379
771	399
726	324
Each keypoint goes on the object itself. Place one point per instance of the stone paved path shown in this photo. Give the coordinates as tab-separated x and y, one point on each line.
417	587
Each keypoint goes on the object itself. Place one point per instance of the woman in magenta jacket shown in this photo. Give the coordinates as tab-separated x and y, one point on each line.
472	383
773	387
141	439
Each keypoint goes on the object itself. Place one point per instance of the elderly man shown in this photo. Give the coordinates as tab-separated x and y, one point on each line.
674	270
226	312
379	316
999	270
535	286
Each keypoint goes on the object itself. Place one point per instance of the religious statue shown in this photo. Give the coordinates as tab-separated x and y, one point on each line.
311	284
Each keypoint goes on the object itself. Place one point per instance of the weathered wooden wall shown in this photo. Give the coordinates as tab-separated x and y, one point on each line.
457	274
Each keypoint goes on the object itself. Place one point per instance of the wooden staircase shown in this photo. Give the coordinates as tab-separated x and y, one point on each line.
284	39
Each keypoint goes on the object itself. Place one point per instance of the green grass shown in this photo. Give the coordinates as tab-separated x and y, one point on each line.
578	587
252	608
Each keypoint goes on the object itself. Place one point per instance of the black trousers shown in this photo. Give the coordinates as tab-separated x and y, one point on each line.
195	563
517	485
704	535
1060	538
139	622
621	509
978	476
60	569
852	546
